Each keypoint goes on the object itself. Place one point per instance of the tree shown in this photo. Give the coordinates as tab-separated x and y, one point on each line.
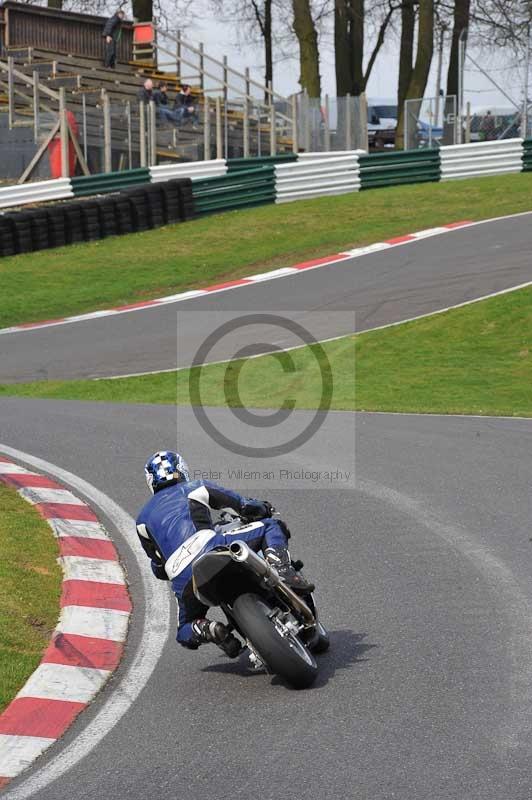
307	37
461	15
350	18
263	17
420	72
254	17
406	49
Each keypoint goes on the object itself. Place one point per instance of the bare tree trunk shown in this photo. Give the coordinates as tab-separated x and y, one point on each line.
268	46
342	48
349	27
351	77
461	22
349	46
307	37
263	18
420	73
142	10
406	52
358	79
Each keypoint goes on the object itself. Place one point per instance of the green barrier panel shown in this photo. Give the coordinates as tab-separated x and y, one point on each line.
227	199
242	189
229	196
400	156
527	155
379	183
109	182
236	164
222	191
240	176
242	202
392	173
201	191
389	169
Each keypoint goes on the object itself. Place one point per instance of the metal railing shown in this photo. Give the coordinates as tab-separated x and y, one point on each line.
235	116
268	120
332	123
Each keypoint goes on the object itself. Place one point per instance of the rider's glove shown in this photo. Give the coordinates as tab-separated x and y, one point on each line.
256	509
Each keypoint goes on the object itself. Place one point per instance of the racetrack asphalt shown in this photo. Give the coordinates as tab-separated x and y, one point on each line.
421	560
422	566
354	294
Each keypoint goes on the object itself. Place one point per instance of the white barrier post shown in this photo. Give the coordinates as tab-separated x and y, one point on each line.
36	106
142	135
107	153
219	145
327	125
245	145
206	128
295	148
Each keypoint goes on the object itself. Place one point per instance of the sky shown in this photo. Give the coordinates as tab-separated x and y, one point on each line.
221	38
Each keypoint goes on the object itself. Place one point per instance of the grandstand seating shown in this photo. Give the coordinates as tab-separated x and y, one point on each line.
86	81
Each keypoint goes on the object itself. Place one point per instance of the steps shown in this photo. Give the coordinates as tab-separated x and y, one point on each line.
84	78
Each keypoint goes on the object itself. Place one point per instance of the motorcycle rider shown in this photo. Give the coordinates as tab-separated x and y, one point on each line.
175	528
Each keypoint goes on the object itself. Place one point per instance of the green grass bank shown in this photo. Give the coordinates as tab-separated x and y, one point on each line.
126	269
472	360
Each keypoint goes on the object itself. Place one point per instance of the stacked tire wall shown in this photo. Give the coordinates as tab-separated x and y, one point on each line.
139	208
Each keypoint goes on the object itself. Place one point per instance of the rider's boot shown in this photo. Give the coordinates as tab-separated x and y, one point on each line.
219	634
279	557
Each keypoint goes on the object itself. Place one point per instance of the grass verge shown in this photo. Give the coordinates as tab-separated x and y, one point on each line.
119	270
30	587
472	360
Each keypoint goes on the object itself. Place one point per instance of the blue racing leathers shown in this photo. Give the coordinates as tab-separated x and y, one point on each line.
175	528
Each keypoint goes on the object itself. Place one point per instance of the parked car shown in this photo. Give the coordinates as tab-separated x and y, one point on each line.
382	122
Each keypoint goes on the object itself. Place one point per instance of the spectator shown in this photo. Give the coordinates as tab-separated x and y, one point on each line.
146	94
185	107
111	34
487	128
164	112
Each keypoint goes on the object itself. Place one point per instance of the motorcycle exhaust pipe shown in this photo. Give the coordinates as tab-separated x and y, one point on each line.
243	554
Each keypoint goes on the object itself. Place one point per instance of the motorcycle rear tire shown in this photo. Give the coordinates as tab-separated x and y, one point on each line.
285	656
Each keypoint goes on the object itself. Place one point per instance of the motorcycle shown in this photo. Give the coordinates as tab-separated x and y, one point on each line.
281	629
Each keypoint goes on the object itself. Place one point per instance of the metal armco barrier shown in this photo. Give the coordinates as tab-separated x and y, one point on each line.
397	168
109	182
240	189
21	194
527	155
317	178
235	164
485	158
330	154
227	184
193	170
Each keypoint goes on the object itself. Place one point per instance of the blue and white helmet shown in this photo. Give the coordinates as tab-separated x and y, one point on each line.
164	469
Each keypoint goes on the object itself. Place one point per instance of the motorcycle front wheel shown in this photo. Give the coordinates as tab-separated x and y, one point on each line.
279	648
